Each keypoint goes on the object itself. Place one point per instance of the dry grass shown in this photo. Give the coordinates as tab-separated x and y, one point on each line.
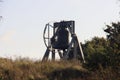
26	69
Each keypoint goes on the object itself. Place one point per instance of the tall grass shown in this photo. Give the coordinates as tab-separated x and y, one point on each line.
26	69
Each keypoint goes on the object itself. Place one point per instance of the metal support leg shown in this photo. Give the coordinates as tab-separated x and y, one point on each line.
60	54
75	50
53	55
45	58
81	51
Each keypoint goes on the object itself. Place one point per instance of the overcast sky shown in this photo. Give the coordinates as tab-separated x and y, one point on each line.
23	22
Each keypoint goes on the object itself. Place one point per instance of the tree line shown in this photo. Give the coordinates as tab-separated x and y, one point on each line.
104	51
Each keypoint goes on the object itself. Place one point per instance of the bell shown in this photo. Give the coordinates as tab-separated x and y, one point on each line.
62	40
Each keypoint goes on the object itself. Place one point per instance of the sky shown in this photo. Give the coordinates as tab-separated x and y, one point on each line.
23	22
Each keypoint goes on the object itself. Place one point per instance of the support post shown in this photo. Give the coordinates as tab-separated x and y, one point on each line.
53	55
45	57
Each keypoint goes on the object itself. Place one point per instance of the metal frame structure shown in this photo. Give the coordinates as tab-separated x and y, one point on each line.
74	49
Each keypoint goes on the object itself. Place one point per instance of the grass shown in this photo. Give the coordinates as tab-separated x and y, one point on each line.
26	69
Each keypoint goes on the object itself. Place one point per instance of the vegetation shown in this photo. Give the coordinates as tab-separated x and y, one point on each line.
113	36
25	69
96	53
